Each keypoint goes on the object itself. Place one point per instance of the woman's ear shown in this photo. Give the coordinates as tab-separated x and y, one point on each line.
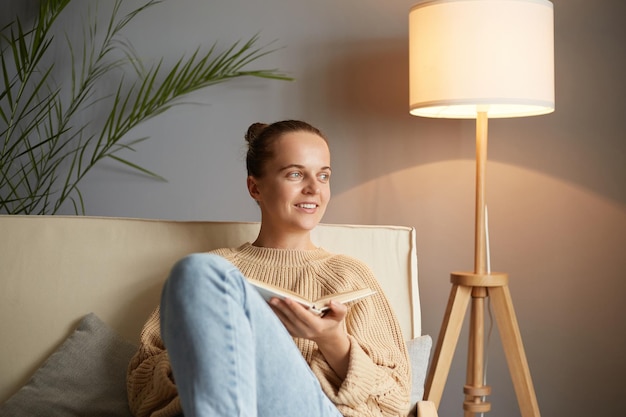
253	188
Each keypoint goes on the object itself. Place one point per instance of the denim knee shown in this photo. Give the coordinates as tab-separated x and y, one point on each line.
200	261
199	269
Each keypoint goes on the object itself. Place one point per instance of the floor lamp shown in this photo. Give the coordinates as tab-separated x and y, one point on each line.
481	59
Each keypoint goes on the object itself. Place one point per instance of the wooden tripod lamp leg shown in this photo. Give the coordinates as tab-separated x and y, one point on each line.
475	390
514	350
446	343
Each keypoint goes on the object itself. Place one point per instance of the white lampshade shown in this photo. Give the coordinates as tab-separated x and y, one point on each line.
494	56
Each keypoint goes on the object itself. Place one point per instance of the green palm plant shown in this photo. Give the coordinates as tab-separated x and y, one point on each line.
47	146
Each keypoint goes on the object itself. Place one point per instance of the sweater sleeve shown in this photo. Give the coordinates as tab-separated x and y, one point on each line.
149	380
379	375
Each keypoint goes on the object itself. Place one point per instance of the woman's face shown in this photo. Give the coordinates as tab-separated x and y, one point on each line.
295	188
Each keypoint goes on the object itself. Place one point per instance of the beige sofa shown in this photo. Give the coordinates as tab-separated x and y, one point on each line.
55	271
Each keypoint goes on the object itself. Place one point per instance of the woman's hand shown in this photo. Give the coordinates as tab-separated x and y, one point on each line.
300	322
326	331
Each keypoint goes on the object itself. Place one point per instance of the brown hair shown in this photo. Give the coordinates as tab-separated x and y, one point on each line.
261	137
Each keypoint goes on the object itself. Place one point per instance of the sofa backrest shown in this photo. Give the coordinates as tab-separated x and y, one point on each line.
56	269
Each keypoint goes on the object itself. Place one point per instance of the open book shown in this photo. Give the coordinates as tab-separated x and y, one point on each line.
319	306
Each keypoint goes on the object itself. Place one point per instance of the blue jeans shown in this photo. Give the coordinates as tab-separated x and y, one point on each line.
230	354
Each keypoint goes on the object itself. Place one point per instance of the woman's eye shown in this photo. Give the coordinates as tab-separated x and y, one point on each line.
294	175
324	176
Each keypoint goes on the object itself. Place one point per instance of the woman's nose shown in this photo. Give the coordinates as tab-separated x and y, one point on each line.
311	187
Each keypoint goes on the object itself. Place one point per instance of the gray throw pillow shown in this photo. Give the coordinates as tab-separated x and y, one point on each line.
85	376
419	354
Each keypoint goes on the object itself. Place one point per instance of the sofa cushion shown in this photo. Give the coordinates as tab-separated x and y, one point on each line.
85	376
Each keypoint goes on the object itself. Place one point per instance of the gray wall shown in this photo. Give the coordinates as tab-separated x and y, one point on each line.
556	183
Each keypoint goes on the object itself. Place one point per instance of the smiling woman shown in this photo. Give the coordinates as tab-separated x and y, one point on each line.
215	347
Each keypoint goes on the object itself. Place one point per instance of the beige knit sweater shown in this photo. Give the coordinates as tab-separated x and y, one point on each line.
378	380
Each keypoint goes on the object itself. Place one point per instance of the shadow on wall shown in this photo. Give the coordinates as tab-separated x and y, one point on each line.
360	90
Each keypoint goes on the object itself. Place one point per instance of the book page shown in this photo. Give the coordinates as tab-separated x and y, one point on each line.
319	306
344	297
268	292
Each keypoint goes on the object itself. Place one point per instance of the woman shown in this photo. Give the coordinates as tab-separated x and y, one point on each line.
229	353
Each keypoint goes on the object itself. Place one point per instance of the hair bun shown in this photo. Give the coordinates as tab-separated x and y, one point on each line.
254	131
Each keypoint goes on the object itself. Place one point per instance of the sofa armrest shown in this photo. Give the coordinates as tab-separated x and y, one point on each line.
426	409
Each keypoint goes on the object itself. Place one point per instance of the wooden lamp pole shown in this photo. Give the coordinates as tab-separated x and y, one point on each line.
477	286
